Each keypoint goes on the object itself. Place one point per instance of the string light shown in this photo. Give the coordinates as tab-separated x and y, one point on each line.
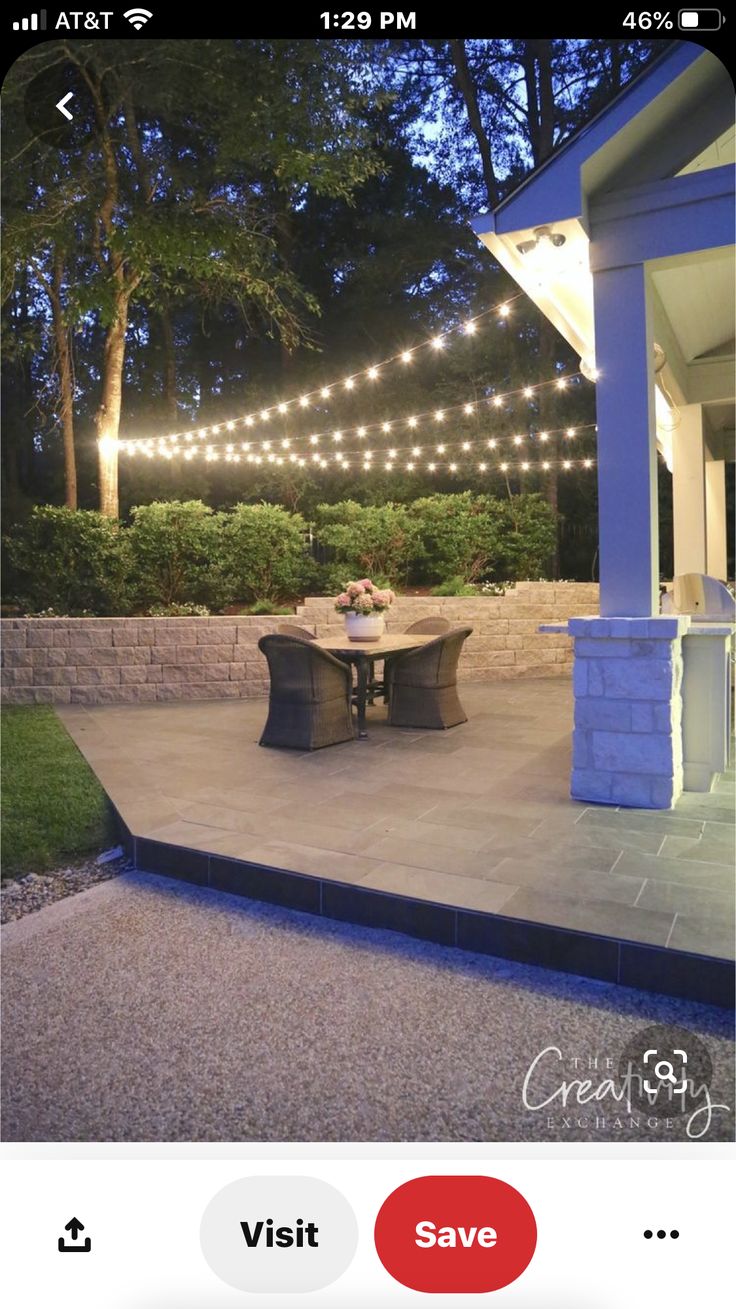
406	356
438	343
467	408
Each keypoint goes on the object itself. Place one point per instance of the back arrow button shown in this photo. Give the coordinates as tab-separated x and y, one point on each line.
63	102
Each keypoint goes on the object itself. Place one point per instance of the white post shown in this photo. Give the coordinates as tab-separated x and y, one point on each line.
715	518
688	492
627	455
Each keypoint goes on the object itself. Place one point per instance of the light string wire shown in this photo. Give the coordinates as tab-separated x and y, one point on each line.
468	409
372	373
283	454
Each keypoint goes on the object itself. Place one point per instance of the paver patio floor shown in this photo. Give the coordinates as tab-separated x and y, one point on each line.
478	817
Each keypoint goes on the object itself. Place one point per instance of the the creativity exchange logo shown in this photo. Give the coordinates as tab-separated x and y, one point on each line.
663	1073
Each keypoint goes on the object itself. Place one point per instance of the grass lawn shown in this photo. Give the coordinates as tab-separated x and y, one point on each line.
53	807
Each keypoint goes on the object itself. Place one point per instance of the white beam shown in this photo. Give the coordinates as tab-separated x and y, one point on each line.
688	492
715	518
682	215
627	458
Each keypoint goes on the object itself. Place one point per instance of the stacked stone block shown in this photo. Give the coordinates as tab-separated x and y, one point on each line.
144	660
627	679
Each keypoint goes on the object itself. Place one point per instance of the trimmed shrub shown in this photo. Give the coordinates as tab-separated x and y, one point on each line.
71	561
264	554
528	532
454	586
175	553
459	535
377	541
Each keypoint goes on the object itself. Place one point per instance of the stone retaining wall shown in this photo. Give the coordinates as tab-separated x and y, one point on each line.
128	660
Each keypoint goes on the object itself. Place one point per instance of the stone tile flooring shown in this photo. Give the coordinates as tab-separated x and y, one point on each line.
478	817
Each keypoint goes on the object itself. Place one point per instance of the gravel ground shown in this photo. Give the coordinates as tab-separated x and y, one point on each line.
147	1010
24	895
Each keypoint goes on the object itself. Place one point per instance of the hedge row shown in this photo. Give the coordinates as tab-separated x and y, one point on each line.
177	553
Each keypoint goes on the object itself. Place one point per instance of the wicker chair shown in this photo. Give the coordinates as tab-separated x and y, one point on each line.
310	701
292	629
432	626
423	684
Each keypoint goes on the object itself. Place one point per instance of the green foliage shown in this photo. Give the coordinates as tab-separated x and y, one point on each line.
175	548
377	541
458	533
53	806
267	607
69	561
178	611
527	536
454	586
264	555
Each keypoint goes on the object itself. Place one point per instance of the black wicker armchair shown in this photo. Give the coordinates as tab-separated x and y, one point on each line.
293	629
309	704
423	684
434	625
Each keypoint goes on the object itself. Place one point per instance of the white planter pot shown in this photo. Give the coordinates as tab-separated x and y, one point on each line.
364	627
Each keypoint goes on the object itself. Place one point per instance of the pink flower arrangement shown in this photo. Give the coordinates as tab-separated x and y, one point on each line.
363	598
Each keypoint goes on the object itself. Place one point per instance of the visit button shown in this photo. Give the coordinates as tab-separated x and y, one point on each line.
455	1234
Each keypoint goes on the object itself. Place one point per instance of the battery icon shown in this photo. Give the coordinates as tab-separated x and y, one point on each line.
699	20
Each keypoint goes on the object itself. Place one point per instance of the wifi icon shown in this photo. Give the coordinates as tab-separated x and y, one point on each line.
137	17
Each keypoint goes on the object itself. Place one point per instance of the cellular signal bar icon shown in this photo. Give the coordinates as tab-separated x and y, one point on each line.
36	23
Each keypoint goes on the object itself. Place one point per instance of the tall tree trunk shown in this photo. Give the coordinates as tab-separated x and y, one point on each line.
107	418
466	87
66	390
171	409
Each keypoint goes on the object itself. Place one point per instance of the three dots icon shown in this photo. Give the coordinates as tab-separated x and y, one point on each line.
661	1234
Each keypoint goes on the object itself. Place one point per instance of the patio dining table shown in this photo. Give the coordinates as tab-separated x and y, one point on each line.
363	653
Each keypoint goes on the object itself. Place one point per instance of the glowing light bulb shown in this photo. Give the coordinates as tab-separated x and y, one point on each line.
504	468
315	459
265	445
215	429
525	466
412	422
546	464
567	464
544	436
416	450
571	431
561	383
431	467
325	392
392	454
528	392
229	426
229	449
303	401
314	440
492	443
498	401
518	440
283	408
337	436
466	445
482	467
189	454
503	311
292	458
470	327
202	433
385	427
245	445
406	357
373	373
453	468
439	415
388	465
441	449
265	415
410	468
285	444
349	383
249	420
438	343
468	409
587	463
188	436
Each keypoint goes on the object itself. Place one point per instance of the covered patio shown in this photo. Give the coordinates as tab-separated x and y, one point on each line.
466	838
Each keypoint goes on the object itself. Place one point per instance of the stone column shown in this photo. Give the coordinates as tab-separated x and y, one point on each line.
627	742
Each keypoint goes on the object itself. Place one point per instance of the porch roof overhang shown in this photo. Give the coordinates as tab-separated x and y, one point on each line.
650	180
